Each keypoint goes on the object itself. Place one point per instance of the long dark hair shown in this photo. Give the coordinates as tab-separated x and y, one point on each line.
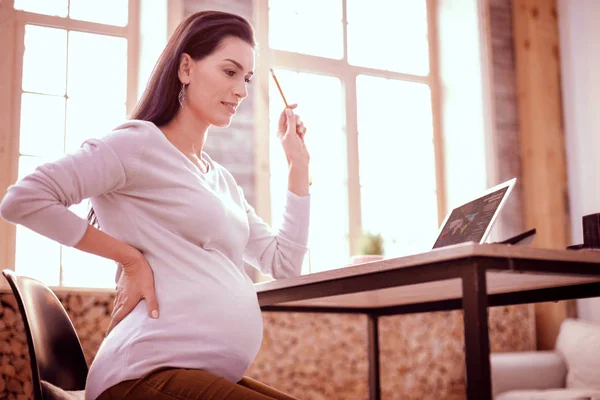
197	35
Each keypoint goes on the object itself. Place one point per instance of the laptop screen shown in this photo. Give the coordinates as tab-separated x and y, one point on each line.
470	222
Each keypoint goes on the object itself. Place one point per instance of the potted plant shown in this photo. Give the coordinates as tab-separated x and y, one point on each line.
370	248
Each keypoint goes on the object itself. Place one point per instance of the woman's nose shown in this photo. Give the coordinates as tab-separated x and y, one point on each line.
241	91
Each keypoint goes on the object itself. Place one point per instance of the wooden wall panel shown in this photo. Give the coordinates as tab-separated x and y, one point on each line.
544	178
7	63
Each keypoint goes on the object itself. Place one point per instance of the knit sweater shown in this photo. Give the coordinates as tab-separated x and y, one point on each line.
195	230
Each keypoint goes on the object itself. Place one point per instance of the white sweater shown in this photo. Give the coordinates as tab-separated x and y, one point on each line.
194	229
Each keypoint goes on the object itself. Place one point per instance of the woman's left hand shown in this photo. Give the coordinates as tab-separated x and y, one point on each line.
291	131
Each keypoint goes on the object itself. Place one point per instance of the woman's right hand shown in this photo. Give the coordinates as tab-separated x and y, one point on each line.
135	283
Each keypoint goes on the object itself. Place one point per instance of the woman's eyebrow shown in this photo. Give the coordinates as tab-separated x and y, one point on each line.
237	64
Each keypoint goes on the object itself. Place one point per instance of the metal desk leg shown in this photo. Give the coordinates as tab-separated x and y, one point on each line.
373	354
477	341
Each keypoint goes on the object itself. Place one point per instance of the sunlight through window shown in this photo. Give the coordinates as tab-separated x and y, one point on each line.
109	12
397	163
74	88
42	125
97	66
389	35
308	26
59	8
326	139
45	51
384	80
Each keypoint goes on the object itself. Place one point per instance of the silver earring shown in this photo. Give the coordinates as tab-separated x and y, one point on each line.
181	96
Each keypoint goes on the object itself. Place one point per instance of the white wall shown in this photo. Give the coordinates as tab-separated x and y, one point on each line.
580	64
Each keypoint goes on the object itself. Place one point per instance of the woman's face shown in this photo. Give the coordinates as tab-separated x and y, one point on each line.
218	83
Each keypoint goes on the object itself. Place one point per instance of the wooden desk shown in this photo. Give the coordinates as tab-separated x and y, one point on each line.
471	277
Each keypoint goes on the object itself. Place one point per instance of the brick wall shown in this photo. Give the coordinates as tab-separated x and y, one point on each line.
504	100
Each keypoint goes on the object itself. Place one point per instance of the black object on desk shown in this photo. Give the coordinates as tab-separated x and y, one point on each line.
521	238
591	233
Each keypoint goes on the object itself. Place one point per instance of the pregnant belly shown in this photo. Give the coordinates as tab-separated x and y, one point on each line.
227	318
222	336
235	323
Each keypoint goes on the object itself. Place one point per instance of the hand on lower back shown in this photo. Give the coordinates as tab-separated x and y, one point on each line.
135	283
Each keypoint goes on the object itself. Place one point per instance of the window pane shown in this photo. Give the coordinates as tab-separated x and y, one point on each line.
42	125
96	91
27	165
87	270
324	117
45	60
110	12
398	28
97	67
330	9
35	255
397	163
83	269
311	27
79	269
81	111
58	8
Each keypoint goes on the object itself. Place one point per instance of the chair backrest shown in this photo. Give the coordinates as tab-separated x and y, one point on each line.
55	353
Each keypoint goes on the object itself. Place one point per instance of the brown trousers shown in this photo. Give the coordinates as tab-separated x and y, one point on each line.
190	384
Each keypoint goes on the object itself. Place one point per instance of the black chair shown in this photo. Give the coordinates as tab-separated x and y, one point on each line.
58	366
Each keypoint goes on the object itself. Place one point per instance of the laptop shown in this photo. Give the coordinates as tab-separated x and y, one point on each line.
473	221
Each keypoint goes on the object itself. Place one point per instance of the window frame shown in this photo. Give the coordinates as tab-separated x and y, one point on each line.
267	58
10	112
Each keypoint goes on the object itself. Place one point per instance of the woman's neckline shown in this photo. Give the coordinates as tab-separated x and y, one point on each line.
203	155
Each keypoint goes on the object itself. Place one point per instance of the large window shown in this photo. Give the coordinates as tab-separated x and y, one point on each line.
75	63
363	74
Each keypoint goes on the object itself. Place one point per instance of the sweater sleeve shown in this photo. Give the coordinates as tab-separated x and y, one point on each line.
279	253
41	200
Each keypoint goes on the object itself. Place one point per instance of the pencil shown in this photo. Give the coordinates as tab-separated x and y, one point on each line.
286	106
279	87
